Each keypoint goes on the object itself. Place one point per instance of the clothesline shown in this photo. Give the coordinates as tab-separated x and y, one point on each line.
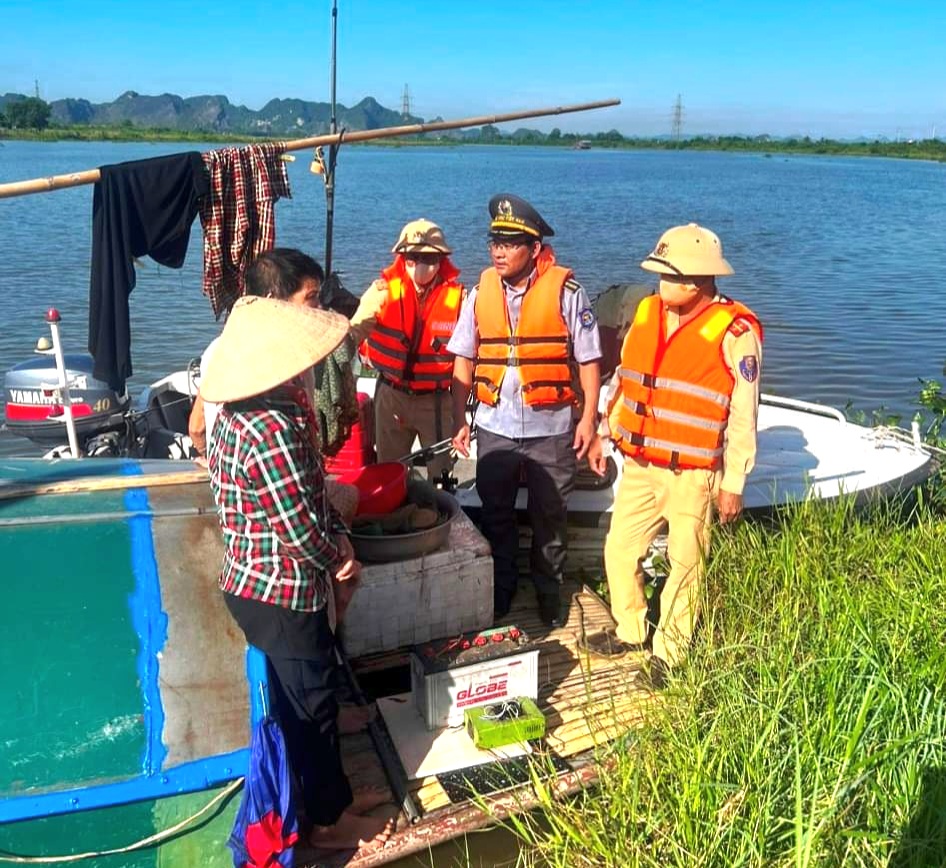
91	176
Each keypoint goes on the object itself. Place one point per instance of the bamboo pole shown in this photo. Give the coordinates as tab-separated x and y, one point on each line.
90	176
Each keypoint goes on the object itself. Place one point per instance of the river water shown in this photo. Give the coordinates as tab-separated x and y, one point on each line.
842	258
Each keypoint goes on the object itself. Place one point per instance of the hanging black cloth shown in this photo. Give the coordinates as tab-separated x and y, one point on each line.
144	207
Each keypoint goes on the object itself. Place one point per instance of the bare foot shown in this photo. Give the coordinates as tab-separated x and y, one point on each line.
364	800
352	832
354	718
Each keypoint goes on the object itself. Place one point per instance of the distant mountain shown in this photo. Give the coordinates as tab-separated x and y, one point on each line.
279	117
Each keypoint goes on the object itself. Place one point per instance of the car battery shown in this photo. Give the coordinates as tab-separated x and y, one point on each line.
509	721
451	675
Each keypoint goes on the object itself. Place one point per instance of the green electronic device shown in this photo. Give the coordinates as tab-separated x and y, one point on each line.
509	721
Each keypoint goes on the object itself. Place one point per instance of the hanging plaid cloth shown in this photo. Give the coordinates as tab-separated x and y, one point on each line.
266	827
238	216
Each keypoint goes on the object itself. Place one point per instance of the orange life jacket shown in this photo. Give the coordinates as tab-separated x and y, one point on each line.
408	344
540	348
676	392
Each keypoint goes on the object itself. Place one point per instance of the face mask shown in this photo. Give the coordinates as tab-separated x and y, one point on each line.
677	294
422	273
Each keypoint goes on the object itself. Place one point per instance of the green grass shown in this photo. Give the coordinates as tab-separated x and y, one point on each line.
81	133
809	728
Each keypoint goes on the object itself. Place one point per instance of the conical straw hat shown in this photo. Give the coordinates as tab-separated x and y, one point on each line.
266	342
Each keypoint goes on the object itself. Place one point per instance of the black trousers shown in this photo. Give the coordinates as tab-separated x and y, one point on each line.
303	671
550	467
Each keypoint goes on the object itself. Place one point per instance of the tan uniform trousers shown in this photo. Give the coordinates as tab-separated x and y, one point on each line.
648	496
400	417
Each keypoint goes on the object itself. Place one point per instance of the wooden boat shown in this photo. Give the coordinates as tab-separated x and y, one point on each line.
117	651
126	550
132	684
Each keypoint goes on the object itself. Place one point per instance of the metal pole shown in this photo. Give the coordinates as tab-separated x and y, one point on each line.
390	762
332	155
53	318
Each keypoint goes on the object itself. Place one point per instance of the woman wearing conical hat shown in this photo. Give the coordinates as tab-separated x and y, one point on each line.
284	544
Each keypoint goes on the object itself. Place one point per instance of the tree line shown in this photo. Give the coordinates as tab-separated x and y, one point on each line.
32	115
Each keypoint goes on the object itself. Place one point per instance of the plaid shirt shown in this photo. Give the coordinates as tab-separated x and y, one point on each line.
238	216
278	525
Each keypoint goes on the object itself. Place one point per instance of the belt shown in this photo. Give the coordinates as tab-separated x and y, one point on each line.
408	390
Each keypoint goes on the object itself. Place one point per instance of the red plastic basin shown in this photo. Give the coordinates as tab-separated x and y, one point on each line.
381	487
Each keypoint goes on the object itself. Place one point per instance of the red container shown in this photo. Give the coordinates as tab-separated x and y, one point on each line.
382	488
362	431
341	464
358	448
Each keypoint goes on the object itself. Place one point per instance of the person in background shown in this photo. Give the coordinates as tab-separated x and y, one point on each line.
522	333
284	544
683	414
407	318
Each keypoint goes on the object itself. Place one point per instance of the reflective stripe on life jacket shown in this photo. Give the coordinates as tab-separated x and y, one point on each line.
676	392
408	344
540	348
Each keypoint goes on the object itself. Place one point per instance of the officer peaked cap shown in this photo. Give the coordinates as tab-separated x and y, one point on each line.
511	215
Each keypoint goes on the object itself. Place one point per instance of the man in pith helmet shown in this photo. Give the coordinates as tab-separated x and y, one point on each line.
683	413
524	332
408	316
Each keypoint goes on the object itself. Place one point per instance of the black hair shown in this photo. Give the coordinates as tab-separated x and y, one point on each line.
280	273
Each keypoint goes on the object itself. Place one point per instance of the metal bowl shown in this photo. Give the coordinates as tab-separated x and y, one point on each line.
403	546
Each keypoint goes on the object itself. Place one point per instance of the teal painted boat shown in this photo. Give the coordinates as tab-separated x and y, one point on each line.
118	652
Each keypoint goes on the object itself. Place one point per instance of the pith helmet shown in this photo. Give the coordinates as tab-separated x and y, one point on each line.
691	250
421	236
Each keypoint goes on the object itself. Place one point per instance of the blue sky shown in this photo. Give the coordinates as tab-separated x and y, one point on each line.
839	69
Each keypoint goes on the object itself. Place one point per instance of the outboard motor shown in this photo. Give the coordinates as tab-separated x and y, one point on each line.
33	404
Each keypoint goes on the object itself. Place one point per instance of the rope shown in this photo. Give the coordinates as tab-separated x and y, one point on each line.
157	838
902	435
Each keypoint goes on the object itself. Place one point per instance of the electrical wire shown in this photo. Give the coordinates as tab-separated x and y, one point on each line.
150	841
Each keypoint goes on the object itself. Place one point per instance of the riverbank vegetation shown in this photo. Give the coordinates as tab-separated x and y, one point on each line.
125	132
809	725
930	149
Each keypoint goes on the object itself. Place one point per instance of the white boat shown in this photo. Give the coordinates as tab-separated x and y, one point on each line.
805	451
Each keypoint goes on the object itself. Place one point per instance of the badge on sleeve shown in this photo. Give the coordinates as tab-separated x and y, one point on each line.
586	317
749	368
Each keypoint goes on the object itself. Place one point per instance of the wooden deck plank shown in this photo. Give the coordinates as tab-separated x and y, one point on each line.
588	702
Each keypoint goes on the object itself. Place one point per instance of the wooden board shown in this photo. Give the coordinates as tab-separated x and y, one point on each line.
425	753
